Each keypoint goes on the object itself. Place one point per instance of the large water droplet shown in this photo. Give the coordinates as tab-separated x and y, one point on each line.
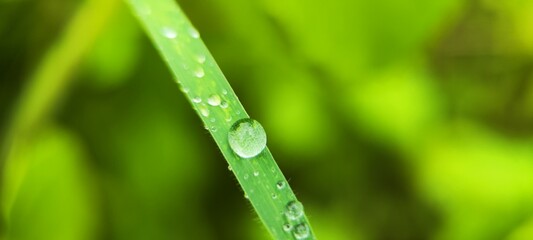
199	72
169	33
214	100
194	33
301	231
247	138
295	210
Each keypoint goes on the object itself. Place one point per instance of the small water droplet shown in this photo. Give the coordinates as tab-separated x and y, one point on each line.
213	129
213	120
238	112
287	227
301	231
224	104
194	33
245	176
272	169
169	33
184	89
228	118
295	210
204	111
247	138
274	196
246	196
201	59
199	72
256	173
214	100
229	168
196	100
224	92
280	185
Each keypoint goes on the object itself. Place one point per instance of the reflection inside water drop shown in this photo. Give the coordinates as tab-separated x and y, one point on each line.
247	138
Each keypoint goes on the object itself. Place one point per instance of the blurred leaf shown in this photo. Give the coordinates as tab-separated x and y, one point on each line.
116	51
56	197
481	181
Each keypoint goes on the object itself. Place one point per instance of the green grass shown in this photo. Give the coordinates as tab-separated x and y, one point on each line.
201	80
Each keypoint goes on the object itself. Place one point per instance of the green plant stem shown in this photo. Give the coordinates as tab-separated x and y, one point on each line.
201	79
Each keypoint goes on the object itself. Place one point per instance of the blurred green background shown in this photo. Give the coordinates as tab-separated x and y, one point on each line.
393	119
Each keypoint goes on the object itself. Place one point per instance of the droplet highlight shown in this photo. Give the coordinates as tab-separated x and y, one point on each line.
247	138
256	173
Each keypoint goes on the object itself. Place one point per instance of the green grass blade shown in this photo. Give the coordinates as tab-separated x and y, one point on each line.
200	79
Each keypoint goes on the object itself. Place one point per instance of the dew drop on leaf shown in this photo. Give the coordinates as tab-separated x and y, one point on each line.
301	231
214	100
287	227
280	185
224	104
196	100
201	59
199	72
169	33
295	210
194	33
204	111
247	138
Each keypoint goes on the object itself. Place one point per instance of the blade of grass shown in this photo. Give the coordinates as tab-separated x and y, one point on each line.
212	97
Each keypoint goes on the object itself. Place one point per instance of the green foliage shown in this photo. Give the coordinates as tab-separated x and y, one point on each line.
391	119
212	97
